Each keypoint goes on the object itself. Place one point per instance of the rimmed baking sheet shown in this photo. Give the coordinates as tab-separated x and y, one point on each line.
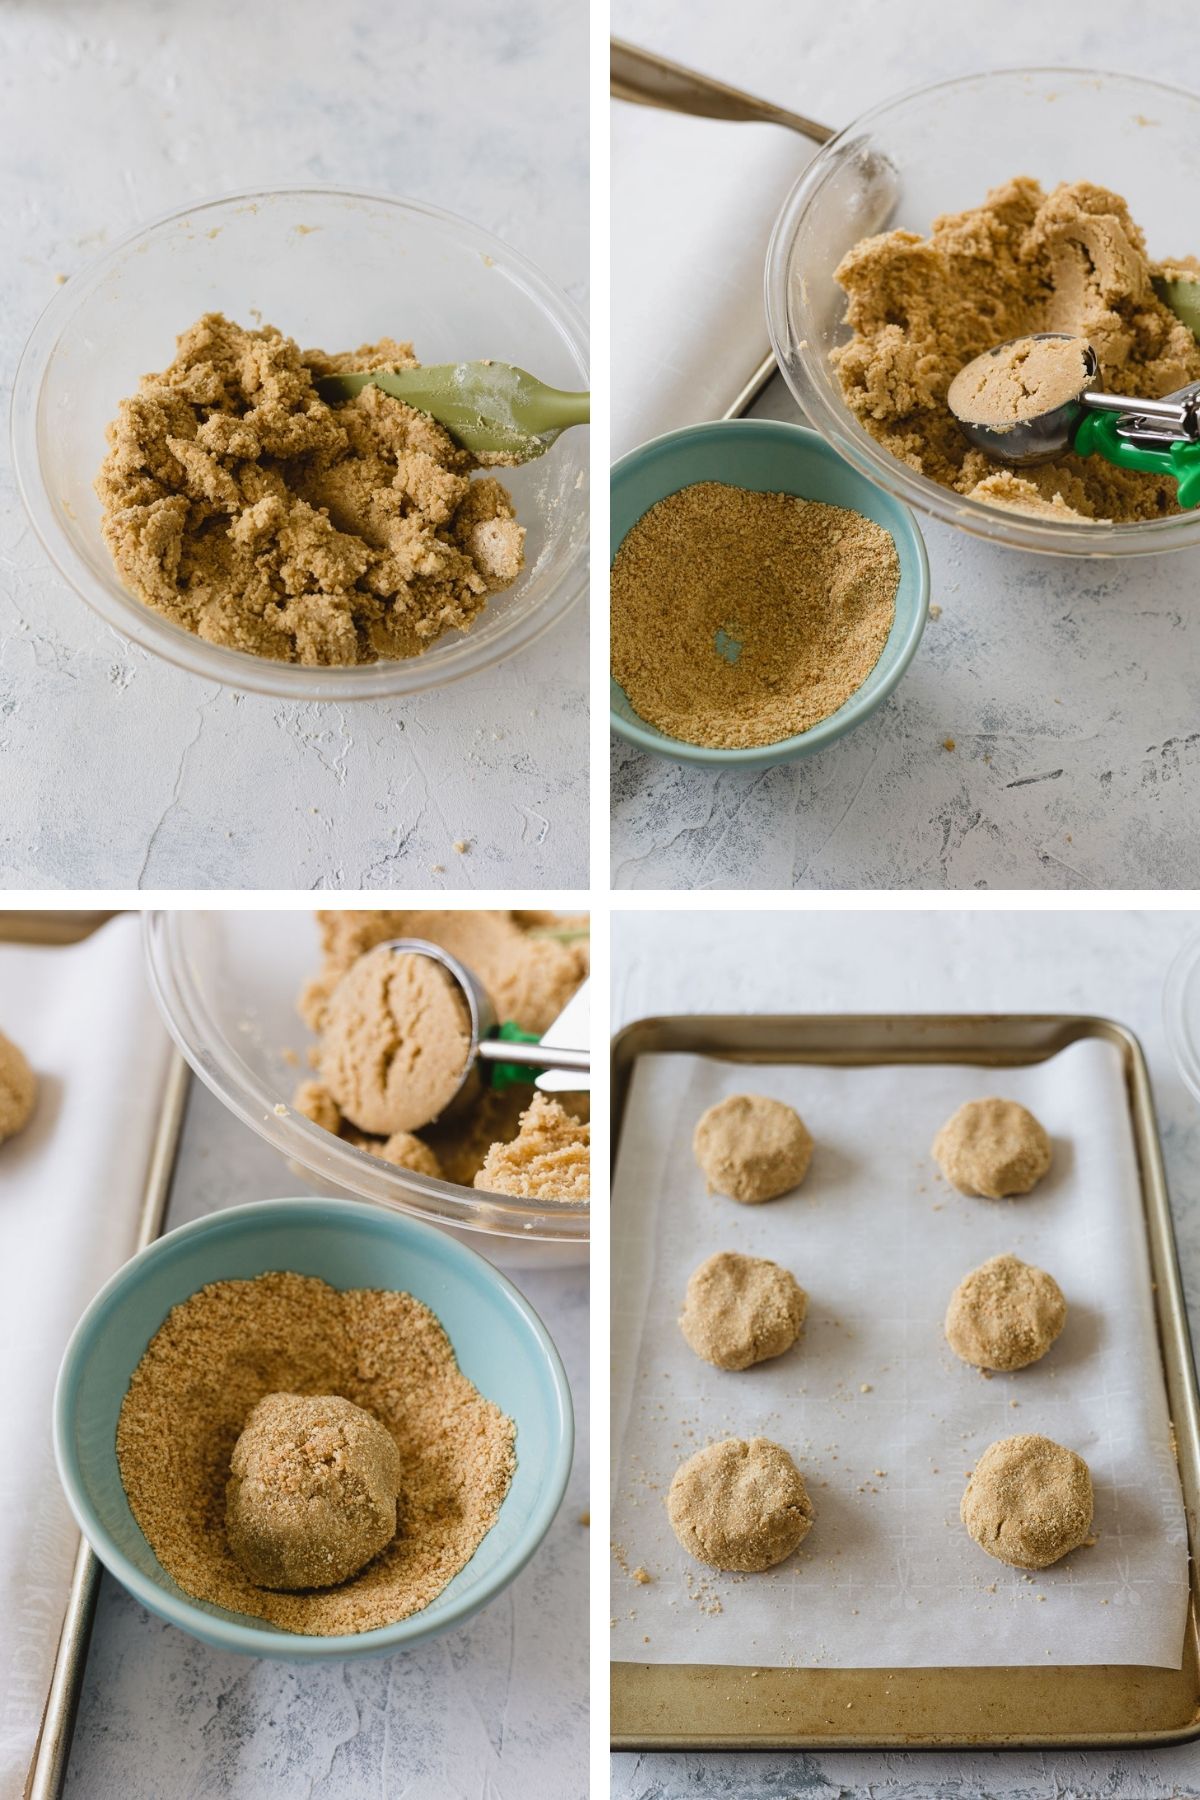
737	1703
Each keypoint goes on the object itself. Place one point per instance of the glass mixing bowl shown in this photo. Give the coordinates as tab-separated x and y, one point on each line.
948	145
226	984
332	269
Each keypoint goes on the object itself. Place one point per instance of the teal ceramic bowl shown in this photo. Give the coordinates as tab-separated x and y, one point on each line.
499	1341
768	456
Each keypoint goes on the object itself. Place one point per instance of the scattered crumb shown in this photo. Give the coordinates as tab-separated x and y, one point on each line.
290	1058
462	846
585	1519
60	280
642	1576
280	1109
935	611
865	1387
948	744
437	868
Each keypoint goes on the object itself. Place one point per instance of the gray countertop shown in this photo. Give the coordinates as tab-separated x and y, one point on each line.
498	1709
116	770
1112	963
1067	687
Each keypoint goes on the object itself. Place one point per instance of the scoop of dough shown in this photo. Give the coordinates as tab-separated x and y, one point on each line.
1005	1314
396	1042
408	1152
312	1489
1028	1501
752	1148
993	1148
741	1310
18	1089
740	1505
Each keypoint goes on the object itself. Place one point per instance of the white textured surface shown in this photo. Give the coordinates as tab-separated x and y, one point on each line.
1068	687
116	770
496	1711
1109	963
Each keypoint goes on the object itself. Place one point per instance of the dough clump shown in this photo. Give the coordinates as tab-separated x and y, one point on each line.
549	1159
404	1150
1028	1501
396	1043
18	1089
1020	380
741	1310
1005	1314
993	1148
1071	260
243	508
312	1491
752	1148
739	1505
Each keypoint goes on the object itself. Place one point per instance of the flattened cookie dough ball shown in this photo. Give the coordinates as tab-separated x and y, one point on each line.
18	1089
752	1148
312	1489
1028	1502
739	1505
741	1310
993	1148
1004	1314
396	1042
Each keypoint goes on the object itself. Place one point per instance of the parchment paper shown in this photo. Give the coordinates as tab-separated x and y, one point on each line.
881	1417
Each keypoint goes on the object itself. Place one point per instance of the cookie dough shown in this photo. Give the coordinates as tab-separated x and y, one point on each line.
1028	1501
396	1043
317	1104
752	1148
919	309
1020	380
407	1151
312	1491
741	1310
739	1505
18	1089
993	1148
549	1159
1005	1314
244	509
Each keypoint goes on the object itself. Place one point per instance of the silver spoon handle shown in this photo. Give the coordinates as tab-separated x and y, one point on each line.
534	1056
1171	412
650	80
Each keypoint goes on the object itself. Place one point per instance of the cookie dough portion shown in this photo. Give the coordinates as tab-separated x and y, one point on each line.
752	1148
318	1104
18	1089
312	1490
549	1159
407	1151
1028	1501
740	1505
1005	1314
993	1148
396	1042
741	1310
1023	379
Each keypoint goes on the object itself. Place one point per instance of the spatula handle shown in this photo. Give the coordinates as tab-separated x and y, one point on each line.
650	80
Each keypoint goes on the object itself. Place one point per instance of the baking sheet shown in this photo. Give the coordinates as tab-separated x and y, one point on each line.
888	1578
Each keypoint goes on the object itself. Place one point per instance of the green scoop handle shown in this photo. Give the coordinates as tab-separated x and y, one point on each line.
491	408
1096	435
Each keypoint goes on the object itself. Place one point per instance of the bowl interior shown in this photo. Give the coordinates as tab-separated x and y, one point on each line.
767	456
946	146
498	1342
331	270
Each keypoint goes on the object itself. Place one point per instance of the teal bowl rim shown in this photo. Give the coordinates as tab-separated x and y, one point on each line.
828	730
259	1639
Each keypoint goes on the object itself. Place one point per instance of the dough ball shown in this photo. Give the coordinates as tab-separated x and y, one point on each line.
318	1104
741	1310
1005	1314
752	1148
408	1152
18	1089
740	1505
1028	1502
992	1147
312	1488
396	1042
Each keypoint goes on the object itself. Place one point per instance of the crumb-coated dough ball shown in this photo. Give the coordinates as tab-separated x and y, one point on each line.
1028	1501
739	1505
396	1042
1004	1314
312	1490
18	1089
752	1148
741	1310
993	1148
409	1152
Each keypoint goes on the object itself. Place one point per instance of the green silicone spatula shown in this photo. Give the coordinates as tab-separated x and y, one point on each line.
491	408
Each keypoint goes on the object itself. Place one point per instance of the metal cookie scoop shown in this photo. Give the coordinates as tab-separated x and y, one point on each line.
500	1054
1158	435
